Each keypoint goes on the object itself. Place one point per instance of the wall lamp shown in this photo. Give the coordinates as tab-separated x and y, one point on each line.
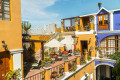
4	45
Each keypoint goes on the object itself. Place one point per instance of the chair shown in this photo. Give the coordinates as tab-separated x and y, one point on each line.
36	64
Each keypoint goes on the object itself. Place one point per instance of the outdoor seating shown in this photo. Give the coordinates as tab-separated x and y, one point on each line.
36	64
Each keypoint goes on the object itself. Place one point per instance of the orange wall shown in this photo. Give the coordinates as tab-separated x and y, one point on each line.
87	37
88	69
37	45
11	31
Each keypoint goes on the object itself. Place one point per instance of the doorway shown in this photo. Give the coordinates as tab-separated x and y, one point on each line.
84	45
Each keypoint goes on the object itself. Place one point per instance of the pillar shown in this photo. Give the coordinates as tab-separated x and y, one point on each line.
76	27
62	29
111	21
86	56
77	60
92	26
81	25
42	50
66	66
47	73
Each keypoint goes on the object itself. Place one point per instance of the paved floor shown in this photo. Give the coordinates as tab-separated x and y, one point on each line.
35	71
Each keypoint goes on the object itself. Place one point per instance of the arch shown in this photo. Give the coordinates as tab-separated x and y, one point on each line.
103	64
101	36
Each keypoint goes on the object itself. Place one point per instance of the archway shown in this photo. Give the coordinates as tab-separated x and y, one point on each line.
104	72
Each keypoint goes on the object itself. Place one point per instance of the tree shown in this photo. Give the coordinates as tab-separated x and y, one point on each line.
26	27
116	70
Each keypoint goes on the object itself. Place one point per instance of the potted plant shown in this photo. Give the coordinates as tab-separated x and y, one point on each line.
61	69
91	18
83	62
43	75
54	74
47	62
65	55
101	55
85	51
74	62
13	75
73	68
77	51
69	66
89	57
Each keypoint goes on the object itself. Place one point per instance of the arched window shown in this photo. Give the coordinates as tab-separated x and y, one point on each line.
4	9
111	43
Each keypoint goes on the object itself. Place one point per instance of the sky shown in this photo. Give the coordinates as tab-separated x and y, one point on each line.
43	12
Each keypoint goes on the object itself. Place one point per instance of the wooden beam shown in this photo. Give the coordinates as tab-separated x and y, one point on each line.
42	50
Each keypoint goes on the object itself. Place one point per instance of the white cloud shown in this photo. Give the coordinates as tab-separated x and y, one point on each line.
34	10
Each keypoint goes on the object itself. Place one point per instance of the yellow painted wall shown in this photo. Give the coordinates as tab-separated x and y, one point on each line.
88	69
11	31
87	37
57	29
37	45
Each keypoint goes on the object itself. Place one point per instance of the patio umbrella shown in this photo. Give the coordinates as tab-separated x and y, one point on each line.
68	42
54	43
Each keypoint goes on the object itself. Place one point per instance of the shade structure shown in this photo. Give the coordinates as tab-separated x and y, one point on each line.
54	43
68	40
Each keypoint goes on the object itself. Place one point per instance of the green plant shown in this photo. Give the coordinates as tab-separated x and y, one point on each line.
47	59
89	57
116	70
83	62
77	50
46	54
73	68
13	74
54	72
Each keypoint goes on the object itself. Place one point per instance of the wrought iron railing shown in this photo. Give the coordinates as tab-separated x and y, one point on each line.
70	28
38	76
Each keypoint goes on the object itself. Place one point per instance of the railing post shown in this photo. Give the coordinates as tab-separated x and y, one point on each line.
92	27
76	27
62	26
77	60
66	66
47	73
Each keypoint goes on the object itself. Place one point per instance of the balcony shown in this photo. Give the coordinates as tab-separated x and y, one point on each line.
79	24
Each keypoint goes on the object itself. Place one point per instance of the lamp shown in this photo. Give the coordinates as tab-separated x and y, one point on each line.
4	45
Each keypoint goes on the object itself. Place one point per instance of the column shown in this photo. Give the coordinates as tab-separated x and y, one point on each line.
111	21
66	67
77	60
47	73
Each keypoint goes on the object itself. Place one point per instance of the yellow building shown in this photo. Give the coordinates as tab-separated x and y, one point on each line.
11	56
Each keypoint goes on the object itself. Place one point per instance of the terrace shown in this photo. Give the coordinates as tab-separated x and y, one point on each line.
80	24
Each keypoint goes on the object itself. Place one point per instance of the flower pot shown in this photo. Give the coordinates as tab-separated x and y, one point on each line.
101	56
62	70
54	75
77	53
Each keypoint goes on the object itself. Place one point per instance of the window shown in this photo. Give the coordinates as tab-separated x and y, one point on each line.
111	43
4	10
103	21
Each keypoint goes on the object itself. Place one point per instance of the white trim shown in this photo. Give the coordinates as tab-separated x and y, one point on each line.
95	24
16	51
101	9
104	64
111	21
88	15
85	32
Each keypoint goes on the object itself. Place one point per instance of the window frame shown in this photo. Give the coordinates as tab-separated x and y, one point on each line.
103	26
3	13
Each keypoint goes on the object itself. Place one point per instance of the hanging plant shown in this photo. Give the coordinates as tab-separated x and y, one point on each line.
91	18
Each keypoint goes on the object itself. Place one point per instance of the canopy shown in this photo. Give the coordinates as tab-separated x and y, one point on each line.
54	43
68	40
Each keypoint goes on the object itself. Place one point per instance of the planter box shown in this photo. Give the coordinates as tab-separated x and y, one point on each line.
47	64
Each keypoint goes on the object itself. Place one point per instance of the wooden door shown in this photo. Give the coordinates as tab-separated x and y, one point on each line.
4	64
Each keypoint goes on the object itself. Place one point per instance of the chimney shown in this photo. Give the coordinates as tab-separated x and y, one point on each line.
99	5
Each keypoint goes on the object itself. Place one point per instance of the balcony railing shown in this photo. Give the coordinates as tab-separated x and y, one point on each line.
68	29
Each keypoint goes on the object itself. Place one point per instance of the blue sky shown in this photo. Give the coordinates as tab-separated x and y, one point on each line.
43	12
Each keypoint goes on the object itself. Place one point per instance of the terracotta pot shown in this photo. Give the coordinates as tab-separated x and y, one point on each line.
54	75
69	67
62	70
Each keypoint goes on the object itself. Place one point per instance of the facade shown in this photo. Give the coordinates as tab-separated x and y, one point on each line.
98	30
11	56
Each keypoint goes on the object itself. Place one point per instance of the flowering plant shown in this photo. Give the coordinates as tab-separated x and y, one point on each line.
91	18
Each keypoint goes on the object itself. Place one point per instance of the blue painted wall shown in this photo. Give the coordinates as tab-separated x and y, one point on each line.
98	62
116	20
102	12
102	36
